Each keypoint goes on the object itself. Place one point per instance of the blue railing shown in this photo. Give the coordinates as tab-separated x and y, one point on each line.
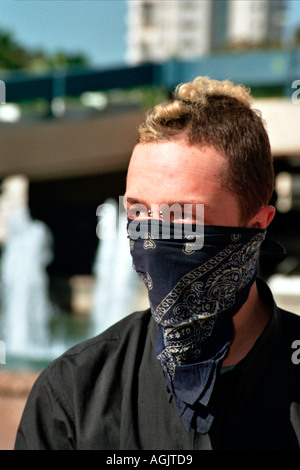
256	68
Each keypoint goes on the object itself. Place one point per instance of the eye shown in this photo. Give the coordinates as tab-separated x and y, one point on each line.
184	218
137	211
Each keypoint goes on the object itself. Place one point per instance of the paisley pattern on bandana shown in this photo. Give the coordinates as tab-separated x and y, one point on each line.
196	304
219	291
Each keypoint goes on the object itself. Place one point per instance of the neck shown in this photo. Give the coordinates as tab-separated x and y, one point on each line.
248	324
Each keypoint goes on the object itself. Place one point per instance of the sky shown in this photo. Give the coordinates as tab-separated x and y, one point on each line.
96	28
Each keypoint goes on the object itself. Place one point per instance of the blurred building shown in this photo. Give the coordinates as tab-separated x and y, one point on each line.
158	30
254	22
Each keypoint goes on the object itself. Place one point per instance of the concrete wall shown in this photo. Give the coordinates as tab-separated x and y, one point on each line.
61	148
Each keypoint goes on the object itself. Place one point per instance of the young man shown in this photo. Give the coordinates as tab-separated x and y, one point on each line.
209	365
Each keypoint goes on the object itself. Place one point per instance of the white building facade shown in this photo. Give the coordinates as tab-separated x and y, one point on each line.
162	29
254	21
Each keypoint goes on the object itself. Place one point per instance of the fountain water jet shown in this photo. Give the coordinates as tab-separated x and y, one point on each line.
24	299
118	287
25	307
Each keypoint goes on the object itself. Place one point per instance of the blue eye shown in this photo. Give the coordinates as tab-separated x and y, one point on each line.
135	212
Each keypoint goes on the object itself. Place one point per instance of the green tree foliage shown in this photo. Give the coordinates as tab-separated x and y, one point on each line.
14	56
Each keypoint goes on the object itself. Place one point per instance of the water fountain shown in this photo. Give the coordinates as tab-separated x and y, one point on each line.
24	294
26	309
118	288
25	298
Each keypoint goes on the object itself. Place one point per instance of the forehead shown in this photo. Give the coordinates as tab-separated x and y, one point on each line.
174	166
175	172
174	152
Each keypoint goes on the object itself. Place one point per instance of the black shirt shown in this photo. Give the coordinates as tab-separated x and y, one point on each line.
110	393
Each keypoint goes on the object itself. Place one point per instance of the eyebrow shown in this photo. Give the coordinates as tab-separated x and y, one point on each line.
133	200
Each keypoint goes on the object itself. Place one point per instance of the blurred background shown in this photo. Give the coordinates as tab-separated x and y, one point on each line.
76	78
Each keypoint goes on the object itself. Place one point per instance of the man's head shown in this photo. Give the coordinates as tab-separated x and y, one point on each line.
207	145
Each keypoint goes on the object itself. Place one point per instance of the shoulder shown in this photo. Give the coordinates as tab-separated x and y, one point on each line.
287	324
290	322
108	348
81	384
94	364
290	335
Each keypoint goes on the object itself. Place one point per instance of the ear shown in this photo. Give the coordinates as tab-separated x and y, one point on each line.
262	218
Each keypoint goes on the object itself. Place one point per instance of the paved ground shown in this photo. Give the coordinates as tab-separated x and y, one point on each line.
11	409
14	389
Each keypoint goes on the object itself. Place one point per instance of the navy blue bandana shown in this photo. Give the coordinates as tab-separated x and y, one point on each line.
193	294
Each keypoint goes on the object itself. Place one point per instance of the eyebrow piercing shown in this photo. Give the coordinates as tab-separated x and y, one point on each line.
150	213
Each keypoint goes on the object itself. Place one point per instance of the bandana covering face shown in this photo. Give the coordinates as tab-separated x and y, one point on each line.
193	295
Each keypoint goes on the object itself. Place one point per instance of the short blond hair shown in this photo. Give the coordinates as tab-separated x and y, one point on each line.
220	114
